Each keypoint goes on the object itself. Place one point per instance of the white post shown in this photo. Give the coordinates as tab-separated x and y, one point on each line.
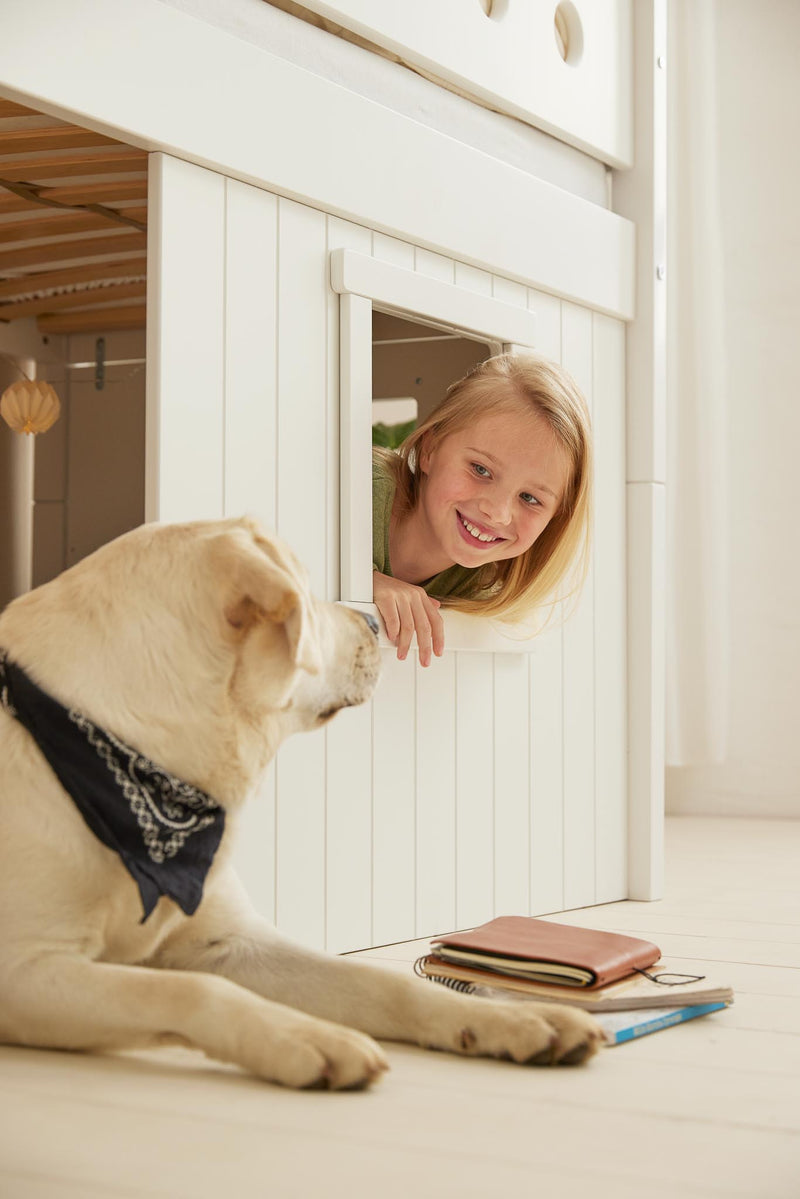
640	195
16	503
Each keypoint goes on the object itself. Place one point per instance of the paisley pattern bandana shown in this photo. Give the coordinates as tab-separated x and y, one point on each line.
165	831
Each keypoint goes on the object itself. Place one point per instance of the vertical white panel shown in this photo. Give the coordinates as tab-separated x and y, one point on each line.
185	351
474	711
254	853
579	686
512	827
300	886
546	702
509	292
547	774
391	249
611	811
349	830
348	825
393	803
646	648
302	521
355	454
435	266
548	323
251	452
436	808
302	381
355	237
250	352
472	279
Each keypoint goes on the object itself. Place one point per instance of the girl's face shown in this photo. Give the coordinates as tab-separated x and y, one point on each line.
491	489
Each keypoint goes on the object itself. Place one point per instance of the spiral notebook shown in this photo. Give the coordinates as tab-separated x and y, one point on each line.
637	991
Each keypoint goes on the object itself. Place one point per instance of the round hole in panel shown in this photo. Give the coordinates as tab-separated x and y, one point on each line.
496	9
568	32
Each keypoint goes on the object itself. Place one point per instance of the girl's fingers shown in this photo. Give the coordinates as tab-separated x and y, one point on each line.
437	630
408	611
405	635
430	629
390	617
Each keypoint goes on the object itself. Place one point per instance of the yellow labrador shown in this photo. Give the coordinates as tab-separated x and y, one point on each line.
170	665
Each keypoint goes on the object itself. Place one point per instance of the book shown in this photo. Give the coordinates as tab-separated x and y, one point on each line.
626	994
619	1027
546	952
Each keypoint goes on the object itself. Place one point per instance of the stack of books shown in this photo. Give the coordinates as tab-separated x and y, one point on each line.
607	974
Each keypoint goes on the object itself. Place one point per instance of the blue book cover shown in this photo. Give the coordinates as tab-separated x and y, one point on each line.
629	1026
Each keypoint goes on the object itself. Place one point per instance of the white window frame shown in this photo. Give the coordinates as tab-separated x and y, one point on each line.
363	283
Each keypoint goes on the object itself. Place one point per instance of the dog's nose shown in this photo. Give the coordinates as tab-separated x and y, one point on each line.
371	621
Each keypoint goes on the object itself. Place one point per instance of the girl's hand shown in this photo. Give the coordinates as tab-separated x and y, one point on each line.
406	610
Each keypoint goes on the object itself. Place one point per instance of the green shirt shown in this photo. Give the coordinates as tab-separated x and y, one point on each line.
455	581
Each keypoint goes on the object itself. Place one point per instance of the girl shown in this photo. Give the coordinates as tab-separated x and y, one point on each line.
486	505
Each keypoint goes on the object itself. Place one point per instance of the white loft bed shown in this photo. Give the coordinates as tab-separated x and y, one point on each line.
379	830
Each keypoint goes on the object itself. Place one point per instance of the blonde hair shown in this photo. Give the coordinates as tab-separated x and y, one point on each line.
511	588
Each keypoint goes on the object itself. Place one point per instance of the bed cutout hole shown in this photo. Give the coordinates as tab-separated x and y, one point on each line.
495	9
568	33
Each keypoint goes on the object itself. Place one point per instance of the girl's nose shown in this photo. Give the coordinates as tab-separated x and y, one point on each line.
496	507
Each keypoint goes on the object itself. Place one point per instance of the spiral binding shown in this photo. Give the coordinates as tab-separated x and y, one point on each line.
455	984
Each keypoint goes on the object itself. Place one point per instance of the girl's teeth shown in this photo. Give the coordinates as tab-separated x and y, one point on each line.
476	533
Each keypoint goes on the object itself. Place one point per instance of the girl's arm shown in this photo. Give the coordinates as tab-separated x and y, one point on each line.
407	609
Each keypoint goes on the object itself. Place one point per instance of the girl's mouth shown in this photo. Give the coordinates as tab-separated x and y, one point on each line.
475	535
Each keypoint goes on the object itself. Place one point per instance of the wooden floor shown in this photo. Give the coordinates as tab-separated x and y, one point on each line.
710	1108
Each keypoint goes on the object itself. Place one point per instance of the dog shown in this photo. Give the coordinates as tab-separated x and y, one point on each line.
193	651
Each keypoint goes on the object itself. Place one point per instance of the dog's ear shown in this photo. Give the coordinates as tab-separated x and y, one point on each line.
262	586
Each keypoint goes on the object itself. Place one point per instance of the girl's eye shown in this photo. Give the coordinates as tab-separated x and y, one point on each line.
480	470
529	499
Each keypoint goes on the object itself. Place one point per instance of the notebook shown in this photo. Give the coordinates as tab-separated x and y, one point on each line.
620	1027
543	951
626	994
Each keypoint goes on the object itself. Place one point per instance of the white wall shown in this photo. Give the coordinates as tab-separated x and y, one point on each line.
758	101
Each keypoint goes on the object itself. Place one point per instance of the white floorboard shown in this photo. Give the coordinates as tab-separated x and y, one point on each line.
711	1108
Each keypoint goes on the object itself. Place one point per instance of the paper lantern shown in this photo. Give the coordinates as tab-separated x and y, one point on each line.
30	407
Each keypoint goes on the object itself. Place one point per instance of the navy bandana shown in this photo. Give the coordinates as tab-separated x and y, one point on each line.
165	831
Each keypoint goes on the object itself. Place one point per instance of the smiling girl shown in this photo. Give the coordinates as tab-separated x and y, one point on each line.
486	506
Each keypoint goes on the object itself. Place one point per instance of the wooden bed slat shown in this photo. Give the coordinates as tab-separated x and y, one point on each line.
97	193
65	166
53	226
10	108
44	280
84	298
69	251
105	319
60	137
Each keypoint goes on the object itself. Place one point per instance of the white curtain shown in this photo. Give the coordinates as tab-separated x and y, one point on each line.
697	491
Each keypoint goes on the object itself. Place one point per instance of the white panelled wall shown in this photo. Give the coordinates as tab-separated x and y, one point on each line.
489	783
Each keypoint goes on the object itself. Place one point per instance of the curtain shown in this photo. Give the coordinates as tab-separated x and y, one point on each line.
697	484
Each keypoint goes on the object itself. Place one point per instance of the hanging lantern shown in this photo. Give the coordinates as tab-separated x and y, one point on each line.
30	407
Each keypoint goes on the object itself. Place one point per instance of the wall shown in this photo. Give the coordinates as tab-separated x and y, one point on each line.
759	177
89	476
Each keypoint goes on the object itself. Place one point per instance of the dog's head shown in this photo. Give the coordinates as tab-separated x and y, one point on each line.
320	657
201	644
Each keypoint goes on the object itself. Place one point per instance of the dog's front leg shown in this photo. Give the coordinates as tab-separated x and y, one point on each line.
226	937
62	1001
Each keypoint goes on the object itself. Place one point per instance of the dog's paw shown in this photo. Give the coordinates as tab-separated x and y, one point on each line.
529	1033
325	1056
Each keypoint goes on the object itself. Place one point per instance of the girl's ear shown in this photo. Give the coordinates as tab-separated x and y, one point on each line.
425	452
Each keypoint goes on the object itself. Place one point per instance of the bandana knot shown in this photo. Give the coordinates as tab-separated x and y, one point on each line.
164	830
